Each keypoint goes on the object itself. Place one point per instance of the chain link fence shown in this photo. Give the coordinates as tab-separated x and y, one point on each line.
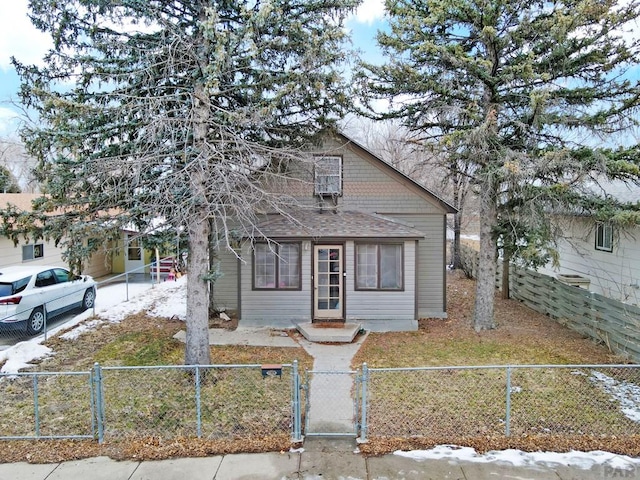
212	402
228	402
456	402
47	405
331	402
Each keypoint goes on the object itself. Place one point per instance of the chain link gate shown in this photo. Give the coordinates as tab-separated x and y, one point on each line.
332	402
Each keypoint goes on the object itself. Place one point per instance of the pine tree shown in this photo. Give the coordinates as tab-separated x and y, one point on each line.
180	110
526	91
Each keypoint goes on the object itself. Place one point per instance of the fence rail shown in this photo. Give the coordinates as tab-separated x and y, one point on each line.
231	402
614	323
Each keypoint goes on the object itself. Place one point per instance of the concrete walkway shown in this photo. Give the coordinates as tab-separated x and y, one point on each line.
331	387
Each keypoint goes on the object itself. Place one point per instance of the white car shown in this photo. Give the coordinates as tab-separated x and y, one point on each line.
27	293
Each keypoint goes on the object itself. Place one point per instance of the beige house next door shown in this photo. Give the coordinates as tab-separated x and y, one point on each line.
328	282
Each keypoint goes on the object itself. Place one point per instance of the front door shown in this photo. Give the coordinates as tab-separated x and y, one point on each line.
134	258
328	282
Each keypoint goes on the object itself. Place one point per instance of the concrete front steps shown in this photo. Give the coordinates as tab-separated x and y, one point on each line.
329	332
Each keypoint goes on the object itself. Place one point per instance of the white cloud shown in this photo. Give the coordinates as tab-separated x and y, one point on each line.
18	36
369	11
9	122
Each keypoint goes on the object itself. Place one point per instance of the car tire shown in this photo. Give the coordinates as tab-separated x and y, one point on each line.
35	324
89	299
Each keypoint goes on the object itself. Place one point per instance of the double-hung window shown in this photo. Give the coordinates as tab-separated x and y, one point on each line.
276	266
328	176
604	237
379	266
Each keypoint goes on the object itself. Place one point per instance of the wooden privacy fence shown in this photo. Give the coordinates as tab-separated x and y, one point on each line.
614	323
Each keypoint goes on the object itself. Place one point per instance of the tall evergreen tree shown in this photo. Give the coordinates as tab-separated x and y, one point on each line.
176	109
525	90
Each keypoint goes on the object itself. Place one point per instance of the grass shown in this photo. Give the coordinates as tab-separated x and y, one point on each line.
465	405
236	404
155	411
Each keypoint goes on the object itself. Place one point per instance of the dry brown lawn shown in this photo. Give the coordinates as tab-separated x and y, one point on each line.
522	336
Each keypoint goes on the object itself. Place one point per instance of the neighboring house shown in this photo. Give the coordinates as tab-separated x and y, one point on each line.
368	246
599	256
40	252
129	254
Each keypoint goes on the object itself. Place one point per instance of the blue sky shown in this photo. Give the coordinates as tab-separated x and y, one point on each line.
20	39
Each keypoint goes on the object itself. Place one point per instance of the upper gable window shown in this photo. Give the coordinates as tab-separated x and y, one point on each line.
604	237
328	176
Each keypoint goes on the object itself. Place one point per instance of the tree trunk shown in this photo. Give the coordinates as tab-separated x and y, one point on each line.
456	263
197	349
506	260
486	278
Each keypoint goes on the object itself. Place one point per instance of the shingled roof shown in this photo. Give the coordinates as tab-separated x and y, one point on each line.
336	225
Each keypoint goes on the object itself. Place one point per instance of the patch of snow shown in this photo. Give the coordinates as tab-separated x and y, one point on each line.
166	299
627	394
80	329
518	458
19	355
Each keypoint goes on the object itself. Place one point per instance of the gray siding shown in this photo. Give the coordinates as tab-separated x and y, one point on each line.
377	305
282	308
431	264
225	290
613	274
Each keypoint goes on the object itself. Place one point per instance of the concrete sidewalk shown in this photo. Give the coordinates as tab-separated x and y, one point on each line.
318	460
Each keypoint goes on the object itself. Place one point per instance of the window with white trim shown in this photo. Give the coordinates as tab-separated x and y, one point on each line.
604	237
276	266
379	266
328	176
31	252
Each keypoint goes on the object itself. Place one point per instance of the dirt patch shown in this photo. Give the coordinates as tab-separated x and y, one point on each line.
521	337
515	324
216	321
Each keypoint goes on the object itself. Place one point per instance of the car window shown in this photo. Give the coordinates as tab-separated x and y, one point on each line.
62	275
20	285
45	279
6	289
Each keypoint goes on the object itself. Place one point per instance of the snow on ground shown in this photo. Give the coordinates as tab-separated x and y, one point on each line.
625	393
166	299
518	458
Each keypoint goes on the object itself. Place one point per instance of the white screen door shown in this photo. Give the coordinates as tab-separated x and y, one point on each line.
328	282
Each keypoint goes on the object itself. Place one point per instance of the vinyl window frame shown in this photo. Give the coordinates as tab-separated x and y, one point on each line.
32	252
604	237
378	262
327	179
273	252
